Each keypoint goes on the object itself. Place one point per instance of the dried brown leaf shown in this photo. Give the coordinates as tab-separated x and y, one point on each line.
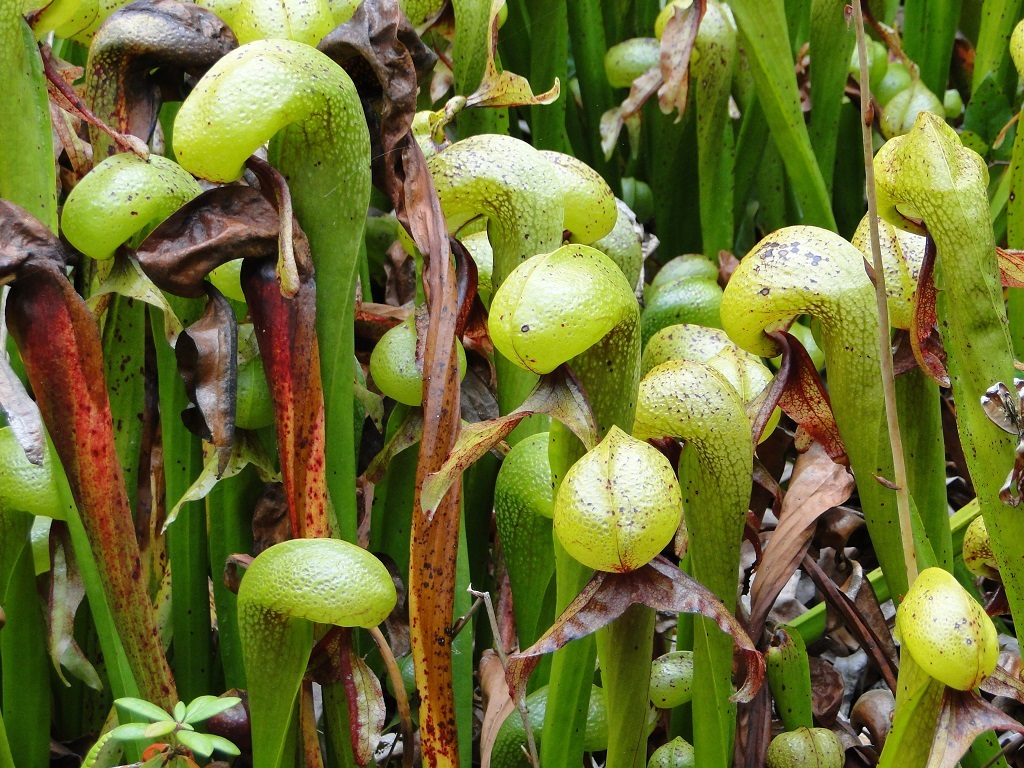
504	88
659	585
677	42
557	394
140	55
963	717
400	170
21	413
218	226
207	356
798	391
817	485
497	704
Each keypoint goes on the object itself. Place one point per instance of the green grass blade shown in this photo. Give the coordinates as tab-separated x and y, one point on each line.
25	662
27	175
587	37
998	18
762	24
186	536
831	43
929	28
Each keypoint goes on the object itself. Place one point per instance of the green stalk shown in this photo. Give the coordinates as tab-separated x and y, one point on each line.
550	34
6	759
527	200
998	18
694	402
587	37
712	73
762	23
229	509
832	44
27	175
929	175
186	536
287	588
929	29
124	341
1015	239
322	145
920	407
25	663
772	285
624	647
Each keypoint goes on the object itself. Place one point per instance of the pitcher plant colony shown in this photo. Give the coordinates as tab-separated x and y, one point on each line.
511	383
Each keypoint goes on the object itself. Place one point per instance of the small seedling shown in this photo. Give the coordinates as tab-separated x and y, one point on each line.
179	741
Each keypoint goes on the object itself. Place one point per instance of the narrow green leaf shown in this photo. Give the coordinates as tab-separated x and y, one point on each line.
205	707
129	732
142	708
199	743
762	24
929	28
156	730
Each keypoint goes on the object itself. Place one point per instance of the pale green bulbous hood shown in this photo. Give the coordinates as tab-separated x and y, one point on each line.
794	271
902	256
555	306
121	197
259	89
323	580
946	631
619	505
919	174
525	476
393	364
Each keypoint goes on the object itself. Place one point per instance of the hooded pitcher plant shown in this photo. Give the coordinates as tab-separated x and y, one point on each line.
928	182
287	588
694	402
134	46
528	198
806	270
320	144
572	306
59	344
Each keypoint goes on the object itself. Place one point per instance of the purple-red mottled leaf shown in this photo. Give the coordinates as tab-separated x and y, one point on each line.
658	585
367	712
798	391
924	332
60	346
291	357
557	394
